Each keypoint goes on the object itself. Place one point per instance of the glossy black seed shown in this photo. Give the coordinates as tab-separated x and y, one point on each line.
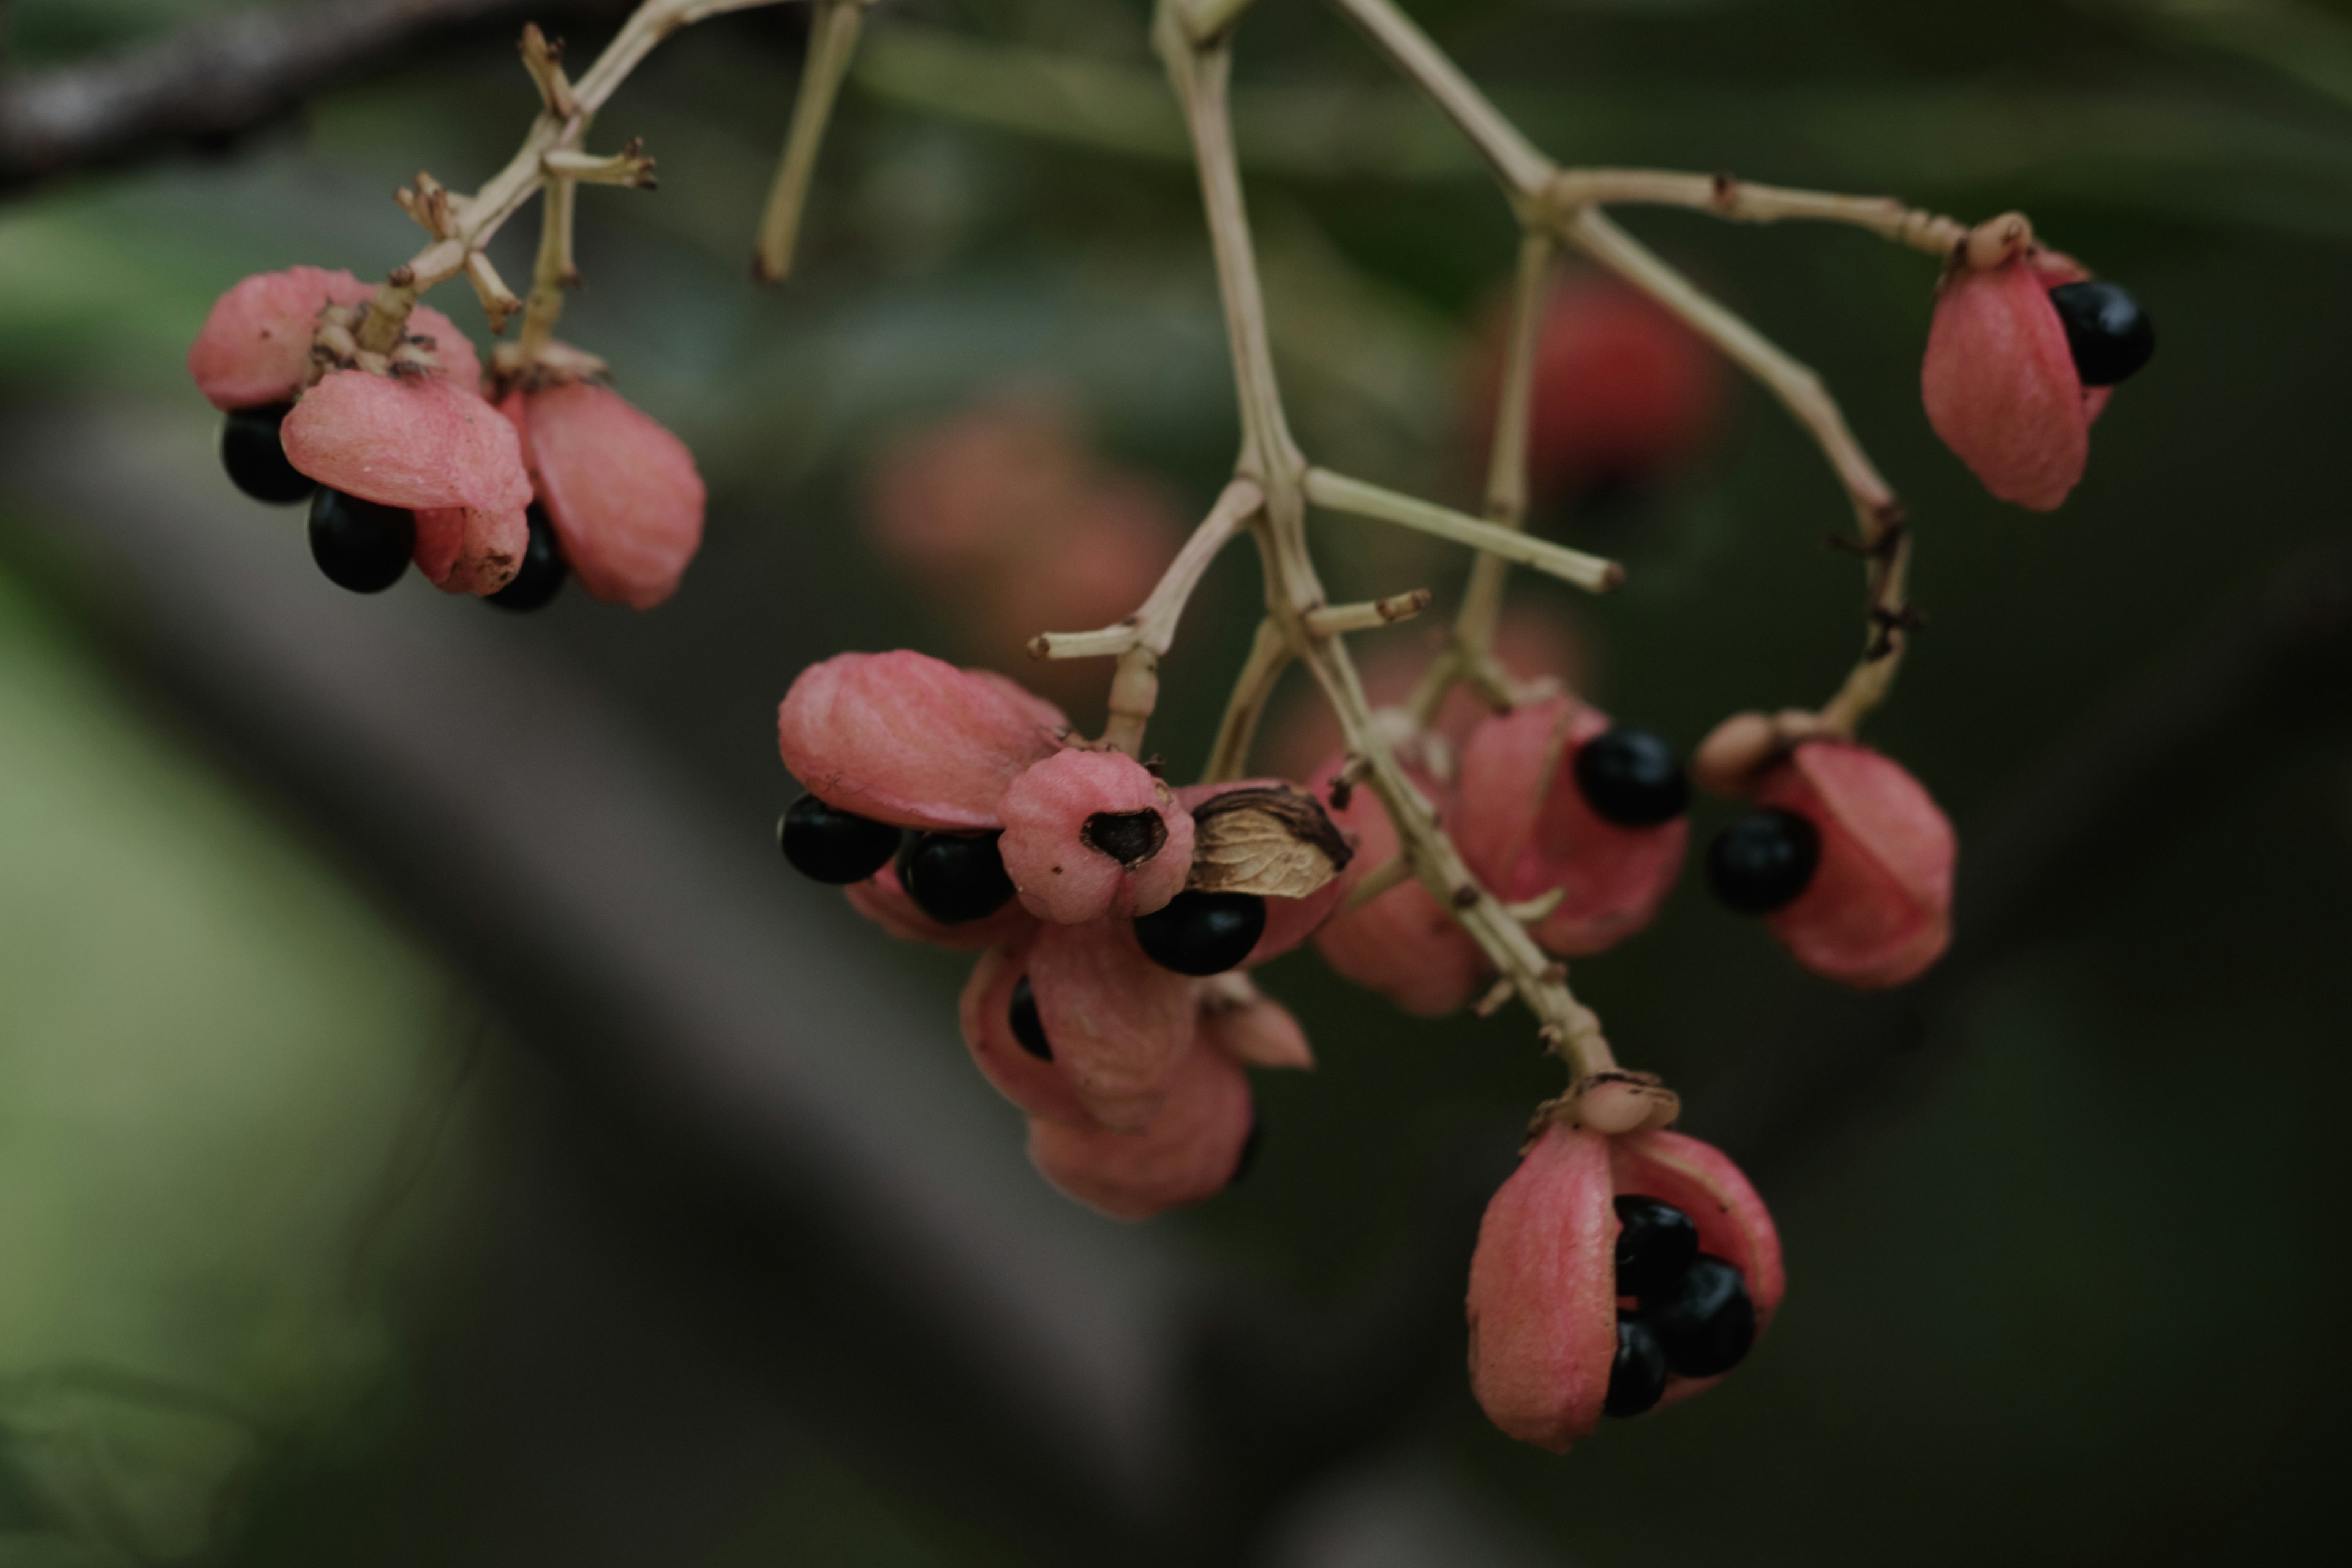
1703	1318
1203	933
955	877
1763	860
542	573
827	843
1027	1028
1248	1160
1130	838
358	545
1655	1243
256	459
1631	778
2107	331
1637	1378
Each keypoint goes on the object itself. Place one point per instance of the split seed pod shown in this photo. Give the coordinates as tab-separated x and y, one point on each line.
1878	910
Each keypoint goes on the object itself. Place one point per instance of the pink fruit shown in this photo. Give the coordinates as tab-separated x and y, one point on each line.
1117	1023
1188	1152
1404	944
1032	1082
1093	833
1258	1032
1526	828
2000	382
462	549
1543	1298
905	739
255	347
622	491
418	442
1877	912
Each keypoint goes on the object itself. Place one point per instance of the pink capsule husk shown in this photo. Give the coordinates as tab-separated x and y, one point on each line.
1188	1152
1260	1033
1733	1223
1878	910
1120	1024
1035	1085
1059	869
905	739
1289	921
461	550
414	441
1524	828
1543	1293
254	349
884	899
2000	385
622	491
1404	944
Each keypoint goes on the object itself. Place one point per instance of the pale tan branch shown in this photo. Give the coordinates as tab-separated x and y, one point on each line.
1206	20
1153	625
1270	654
1507	463
1521	168
499	301
1741	201
629	167
1338	492
1335	620
544	61
833	40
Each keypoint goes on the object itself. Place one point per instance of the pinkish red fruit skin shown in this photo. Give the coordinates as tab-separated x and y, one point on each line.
254	349
1404	944
1878	910
622	492
881	899
1186	1154
1260	1033
1543	1300
1035	1085
1120	1024
464	550
905	739
422	443
1542	1307
1525	829
1058	875
2000	383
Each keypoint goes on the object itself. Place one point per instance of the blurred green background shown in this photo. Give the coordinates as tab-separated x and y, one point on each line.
2077	1294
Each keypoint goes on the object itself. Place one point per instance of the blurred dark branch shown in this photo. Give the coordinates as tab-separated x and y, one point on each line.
217	79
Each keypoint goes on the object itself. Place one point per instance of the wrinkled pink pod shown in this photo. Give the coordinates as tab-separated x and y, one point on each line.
1187	1153
458	364
463	550
1070	818
1524	828
1260	1033
905	739
2000	385
1404	943
1035	1085
1118	1022
1543	1302
883	899
1878	910
1289	921
622	491
1733	1223
255	347
419	442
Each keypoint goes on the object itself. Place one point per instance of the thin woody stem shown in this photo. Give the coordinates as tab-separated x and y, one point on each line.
1742	201
833	39
1270	654
1338	492
1153	625
503	195
555	271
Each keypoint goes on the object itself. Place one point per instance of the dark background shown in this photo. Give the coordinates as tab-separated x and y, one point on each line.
435	1129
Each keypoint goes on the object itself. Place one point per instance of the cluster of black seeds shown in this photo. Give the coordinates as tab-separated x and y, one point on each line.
359	544
958	878
1691	1316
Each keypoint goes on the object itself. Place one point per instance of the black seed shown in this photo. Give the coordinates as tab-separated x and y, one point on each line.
2107	331
1027	1027
1763	860
1656	1243
1638	1376
1203	933
955	877
1248	1158
1704	1320
256	458
827	843
358	545
1631	778
542	573
1130	838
